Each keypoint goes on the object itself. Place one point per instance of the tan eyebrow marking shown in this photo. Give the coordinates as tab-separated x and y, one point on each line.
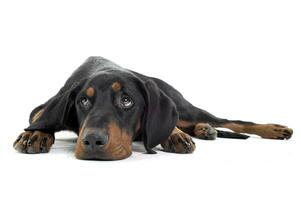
116	86
90	92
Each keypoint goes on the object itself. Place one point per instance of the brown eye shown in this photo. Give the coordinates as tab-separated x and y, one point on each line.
126	102
85	102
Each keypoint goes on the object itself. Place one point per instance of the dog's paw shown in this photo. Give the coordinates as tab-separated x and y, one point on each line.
179	142
34	142
205	131
274	131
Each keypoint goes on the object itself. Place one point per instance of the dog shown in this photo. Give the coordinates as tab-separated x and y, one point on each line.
109	107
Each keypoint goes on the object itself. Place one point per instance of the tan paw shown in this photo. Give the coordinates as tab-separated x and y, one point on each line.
205	131
274	131
179	142
34	142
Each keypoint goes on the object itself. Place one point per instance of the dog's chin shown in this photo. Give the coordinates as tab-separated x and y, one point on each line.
119	153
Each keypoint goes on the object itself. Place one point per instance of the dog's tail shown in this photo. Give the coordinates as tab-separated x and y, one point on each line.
232	135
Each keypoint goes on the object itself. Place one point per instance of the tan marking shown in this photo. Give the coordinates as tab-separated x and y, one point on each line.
79	148
90	92
37	116
271	131
38	143
176	130
235	127
185	124
119	145
177	142
116	86
202	130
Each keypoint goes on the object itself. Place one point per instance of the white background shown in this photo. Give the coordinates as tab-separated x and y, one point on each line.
236	59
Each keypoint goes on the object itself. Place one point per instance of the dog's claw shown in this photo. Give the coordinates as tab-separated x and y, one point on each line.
34	142
179	142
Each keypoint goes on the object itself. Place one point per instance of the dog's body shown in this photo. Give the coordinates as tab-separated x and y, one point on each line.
109	107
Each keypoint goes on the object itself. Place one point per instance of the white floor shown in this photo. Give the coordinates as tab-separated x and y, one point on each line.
225	168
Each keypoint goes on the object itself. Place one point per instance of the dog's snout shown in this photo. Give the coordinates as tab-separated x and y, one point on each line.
106	143
94	140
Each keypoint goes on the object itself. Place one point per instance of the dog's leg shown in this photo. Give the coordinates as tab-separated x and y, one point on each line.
190	116
196	124
269	131
34	141
178	142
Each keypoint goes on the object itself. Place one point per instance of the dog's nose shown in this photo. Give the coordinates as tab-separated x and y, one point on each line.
94	140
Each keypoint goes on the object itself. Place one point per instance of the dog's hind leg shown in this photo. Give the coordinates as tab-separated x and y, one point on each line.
190	116
195	120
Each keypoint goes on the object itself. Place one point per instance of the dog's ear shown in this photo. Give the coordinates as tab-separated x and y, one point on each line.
57	110
160	116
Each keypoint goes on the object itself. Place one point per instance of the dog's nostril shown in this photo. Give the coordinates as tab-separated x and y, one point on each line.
94	140
98	143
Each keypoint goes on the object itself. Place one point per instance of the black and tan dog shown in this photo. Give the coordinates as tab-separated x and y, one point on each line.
109	107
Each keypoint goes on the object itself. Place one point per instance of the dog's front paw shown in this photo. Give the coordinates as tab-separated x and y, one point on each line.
179	142
205	131
34	142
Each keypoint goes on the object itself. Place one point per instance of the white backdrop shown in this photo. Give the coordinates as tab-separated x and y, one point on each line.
236	59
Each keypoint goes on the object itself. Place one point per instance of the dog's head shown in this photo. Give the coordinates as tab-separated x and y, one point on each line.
111	110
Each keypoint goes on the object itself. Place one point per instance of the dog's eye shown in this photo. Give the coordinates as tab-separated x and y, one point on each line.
126	102
84	101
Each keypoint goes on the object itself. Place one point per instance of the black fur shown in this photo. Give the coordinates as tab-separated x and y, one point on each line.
158	106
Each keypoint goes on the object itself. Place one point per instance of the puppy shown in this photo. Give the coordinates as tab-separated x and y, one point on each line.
109	107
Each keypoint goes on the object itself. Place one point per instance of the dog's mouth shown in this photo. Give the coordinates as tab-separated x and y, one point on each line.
119	153
103	144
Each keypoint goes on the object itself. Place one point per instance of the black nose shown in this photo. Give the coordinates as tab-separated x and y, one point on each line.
94	140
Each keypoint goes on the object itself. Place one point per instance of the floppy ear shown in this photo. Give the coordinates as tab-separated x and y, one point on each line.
56	110
160	116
